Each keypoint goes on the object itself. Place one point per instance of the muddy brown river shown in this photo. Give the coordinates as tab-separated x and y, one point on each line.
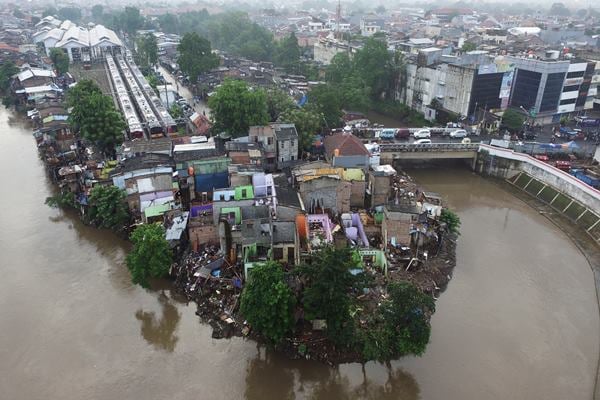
518	321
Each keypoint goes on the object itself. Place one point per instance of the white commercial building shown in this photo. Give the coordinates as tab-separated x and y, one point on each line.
81	44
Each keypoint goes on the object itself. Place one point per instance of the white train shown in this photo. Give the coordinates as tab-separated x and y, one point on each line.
143	107
168	123
135	128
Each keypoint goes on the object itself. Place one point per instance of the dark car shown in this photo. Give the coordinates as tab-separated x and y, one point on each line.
402	133
529	135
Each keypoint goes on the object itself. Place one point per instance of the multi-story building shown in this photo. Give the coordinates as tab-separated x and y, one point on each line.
548	89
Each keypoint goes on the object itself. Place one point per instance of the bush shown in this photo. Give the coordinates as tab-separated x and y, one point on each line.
150	256
267	302
400	326
62	200
451	220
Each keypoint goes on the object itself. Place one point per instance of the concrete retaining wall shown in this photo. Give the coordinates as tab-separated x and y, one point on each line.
562	191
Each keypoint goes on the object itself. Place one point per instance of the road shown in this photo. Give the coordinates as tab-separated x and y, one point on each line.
199	106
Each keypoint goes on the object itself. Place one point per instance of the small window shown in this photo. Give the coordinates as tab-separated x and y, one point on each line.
222	197
292	158
244	193
281	159
282	145
270	141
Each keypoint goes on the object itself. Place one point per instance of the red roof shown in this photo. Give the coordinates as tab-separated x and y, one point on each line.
346	143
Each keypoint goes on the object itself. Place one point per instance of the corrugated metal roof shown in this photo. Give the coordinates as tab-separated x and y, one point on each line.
179	226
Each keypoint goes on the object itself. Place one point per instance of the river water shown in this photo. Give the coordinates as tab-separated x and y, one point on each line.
519	319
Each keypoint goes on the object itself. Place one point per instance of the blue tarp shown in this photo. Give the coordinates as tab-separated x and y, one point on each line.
208	182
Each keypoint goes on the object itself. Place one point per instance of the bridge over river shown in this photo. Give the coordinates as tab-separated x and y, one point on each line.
413	151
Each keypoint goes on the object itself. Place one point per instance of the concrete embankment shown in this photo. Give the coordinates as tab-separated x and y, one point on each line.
564	193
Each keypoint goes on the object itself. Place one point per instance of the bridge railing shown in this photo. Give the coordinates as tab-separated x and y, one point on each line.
430	147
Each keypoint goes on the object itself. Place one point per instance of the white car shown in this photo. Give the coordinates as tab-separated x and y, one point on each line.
422	134
422	141
458	134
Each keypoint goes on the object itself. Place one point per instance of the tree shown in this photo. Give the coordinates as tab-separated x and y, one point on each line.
468	46
559	9
340	68
267	302
374	64
176	111
17	13
151	256
7	70
147	50
451	220
195	56
278	102
129	20
95	116
235	107
287	54
79	95
513	120
103	124
168	23
108	208
308	123
326	100
60	59
49	11
582	13
62	200
326	294
400	326
380	9
70	13
97	12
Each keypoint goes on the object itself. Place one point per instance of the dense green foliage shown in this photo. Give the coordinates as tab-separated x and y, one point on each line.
107	207
146	50
287	54
267	302
468	46
128	20
70	13
400	325
359	83
95	116
62	200
7	70
49	11
176	111
513	120
234	32
278	102
60	59
150	256
195	56
235	107
97	12
328	284
308	123
451	220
